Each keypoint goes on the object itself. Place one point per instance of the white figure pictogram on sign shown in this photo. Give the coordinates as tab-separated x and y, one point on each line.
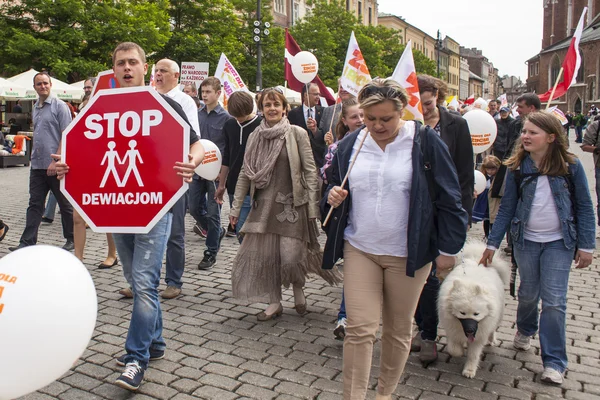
131	156
109	158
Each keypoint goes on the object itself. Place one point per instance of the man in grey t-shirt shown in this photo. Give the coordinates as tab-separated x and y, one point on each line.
51	117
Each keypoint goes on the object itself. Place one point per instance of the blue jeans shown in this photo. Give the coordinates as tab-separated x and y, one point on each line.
50	210
342	313
597	169
244	211
197	202
176	245
544	270
578	133
141	256
206	189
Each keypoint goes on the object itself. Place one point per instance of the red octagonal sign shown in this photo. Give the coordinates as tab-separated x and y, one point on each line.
121	150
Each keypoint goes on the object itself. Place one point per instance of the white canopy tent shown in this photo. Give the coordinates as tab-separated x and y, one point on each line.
60	89
11	91
78	84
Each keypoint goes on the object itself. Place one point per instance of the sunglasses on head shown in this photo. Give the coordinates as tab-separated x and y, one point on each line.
385	91
275	88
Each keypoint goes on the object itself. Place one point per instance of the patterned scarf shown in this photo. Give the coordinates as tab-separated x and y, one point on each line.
262	150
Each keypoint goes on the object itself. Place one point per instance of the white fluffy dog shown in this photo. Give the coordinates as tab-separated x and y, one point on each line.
471	304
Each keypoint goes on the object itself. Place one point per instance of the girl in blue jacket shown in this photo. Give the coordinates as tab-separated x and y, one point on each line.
548	211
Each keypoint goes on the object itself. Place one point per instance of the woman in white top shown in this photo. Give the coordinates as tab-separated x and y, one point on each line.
548	208
388	230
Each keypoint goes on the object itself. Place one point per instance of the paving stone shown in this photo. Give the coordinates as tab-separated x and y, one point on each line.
219	381
185	385
256	392
294	389
157	391
55	388
77	394
501	390
214	393
428	385
570	394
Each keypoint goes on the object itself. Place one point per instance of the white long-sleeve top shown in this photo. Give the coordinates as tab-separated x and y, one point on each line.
380	183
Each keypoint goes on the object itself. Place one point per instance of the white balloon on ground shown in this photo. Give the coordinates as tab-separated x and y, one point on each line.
483	129
48	310
480	182
305	66
211	165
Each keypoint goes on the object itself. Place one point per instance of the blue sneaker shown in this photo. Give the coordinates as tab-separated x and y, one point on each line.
154	355
132	376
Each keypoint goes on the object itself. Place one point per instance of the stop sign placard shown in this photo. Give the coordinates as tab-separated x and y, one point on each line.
121	150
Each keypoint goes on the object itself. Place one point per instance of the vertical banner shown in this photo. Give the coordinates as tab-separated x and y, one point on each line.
229	77
355	74
406	75
193	73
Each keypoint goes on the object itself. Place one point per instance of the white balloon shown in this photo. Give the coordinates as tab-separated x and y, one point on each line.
480	182
305	66
211	165
48	311
480	103
483	129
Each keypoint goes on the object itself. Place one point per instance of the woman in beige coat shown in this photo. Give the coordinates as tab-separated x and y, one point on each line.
280	246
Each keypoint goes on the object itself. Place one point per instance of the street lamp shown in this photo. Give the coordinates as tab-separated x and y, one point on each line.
258	33
438	45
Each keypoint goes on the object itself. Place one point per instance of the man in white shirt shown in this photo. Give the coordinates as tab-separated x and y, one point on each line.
167	83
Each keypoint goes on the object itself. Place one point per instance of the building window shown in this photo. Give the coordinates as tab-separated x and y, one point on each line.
370	16
554	69
537	68
592	89
360	10
347	5
280	6
296	12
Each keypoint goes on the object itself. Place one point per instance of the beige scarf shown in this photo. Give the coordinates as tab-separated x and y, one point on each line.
264	146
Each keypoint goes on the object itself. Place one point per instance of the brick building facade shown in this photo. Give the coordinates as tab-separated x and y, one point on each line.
560	21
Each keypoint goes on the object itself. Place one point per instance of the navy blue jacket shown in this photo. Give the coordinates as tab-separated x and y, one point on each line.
427	235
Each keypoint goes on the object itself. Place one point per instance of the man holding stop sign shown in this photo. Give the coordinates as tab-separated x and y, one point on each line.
140	253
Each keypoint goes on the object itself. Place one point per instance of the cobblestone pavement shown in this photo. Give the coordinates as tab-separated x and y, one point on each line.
217	349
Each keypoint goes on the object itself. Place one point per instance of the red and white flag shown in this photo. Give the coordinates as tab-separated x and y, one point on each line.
406	75
570	65
470	100
291	49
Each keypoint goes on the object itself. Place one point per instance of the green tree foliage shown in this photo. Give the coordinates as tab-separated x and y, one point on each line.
326	32
202	30
272	45
73	38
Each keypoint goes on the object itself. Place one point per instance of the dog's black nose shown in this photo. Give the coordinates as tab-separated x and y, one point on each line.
469	326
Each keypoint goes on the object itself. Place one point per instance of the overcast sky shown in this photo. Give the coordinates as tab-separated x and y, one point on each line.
509	32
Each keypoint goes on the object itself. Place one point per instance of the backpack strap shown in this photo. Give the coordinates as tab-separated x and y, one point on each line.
523	180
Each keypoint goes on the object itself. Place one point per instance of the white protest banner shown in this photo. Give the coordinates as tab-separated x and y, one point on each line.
229	77
193	73
406	75
355	74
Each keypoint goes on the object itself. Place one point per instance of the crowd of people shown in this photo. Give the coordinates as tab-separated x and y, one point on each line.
395	199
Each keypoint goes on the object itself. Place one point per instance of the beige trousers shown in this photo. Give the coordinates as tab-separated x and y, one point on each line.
369	279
